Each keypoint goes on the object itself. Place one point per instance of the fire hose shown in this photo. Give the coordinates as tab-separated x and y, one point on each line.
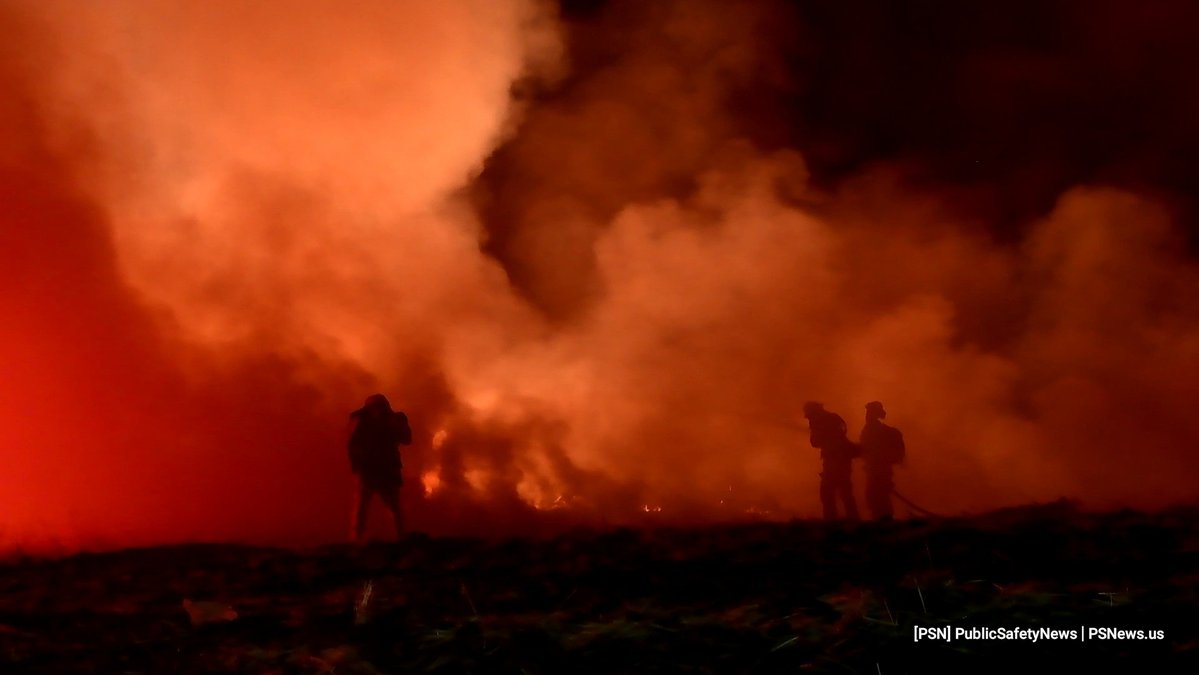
898	495
914	506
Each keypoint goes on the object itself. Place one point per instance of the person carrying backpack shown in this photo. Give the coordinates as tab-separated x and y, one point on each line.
378	431
882	448
828	432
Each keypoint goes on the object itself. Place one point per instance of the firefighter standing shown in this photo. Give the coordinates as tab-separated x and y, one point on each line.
882	448
828	432
375	460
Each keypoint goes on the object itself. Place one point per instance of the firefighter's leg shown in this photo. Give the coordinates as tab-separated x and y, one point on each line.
847	498
391	499
873	501
362	503
885	487
828	497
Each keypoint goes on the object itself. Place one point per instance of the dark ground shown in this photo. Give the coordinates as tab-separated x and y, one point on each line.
765	598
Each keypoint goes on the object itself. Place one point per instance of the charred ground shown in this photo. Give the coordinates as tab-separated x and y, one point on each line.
769	597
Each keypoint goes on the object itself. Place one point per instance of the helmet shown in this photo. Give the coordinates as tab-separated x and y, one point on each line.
377	402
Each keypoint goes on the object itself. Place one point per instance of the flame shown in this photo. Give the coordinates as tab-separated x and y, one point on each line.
538	492
479	479
431	481
559	502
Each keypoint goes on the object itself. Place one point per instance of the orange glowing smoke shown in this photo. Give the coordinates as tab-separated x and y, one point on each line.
239	219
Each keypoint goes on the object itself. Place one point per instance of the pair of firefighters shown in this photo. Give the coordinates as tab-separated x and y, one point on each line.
881	448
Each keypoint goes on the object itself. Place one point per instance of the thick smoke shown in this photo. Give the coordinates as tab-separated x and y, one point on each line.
588	255
267	195
707	285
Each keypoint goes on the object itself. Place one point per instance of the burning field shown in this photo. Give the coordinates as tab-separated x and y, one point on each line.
601	252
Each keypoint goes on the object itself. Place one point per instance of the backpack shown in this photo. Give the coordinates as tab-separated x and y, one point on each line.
403	431
896	452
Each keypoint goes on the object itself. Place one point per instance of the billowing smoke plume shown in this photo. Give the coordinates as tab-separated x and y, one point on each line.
268	191
589	255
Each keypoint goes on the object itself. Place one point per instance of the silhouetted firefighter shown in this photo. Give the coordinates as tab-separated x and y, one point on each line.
882	448
828	432
375	459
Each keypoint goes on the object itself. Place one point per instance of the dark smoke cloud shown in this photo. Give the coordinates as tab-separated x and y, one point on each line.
656	92
1010	103
999	106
